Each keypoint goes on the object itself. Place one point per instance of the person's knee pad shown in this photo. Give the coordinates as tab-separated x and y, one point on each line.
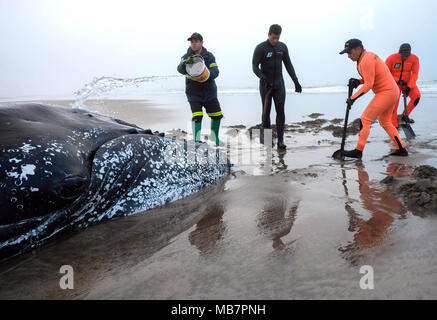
416	102
197	119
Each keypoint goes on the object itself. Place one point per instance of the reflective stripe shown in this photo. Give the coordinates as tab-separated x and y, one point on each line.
215	114
190	77
213	65
196	114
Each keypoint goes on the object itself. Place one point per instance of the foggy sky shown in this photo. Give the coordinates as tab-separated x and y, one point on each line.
52	48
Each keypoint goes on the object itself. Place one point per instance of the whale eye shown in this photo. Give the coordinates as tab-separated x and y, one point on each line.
71	187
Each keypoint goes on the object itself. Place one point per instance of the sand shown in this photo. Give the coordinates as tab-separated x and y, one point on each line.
285	225
418	191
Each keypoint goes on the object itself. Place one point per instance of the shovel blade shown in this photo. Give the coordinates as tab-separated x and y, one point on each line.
409	132
337	155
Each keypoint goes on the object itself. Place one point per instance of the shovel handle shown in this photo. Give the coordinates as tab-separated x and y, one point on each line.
350	91
404	94
346	119
267	99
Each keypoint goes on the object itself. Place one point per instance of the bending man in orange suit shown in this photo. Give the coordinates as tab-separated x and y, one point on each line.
375	76
404	67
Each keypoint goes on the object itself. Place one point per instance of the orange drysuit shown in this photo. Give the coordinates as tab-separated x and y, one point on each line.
405	72
376	76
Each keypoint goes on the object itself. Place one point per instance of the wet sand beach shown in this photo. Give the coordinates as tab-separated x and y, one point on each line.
290	225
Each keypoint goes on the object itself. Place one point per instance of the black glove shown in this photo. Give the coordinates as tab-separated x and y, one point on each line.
354	83
350	102
407	91
189	60
402	83
298	87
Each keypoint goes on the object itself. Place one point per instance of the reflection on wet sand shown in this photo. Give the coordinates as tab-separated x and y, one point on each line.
276	220
281	165
383	207
243	235
399	170
104	251
209	231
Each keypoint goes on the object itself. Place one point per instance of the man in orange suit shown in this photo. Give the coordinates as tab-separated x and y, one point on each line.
376	77
404	67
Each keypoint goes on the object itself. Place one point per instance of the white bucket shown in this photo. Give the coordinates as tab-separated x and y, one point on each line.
197	70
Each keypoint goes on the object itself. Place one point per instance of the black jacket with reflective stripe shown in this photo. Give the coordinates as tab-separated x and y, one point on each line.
197	91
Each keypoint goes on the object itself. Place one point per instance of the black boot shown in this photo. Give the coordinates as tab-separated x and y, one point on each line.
402	152
407	119
357	154
280	133
281	145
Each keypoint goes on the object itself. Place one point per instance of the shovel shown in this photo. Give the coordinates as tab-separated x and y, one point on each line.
337	154
409	132
266	101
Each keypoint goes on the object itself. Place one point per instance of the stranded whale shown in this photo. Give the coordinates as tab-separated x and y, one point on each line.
63	169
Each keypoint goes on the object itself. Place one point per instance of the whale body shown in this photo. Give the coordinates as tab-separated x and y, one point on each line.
64	169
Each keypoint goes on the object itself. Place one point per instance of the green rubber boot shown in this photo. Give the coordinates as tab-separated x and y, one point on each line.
215	126
197	127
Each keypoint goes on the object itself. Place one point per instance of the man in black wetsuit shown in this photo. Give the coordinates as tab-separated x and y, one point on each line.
270	54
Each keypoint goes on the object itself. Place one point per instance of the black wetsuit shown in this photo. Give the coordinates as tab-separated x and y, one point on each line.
271	58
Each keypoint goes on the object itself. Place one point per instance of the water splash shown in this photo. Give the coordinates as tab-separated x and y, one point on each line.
104	85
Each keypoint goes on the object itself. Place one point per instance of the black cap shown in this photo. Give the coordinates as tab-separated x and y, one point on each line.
351	44
405	50
195	35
